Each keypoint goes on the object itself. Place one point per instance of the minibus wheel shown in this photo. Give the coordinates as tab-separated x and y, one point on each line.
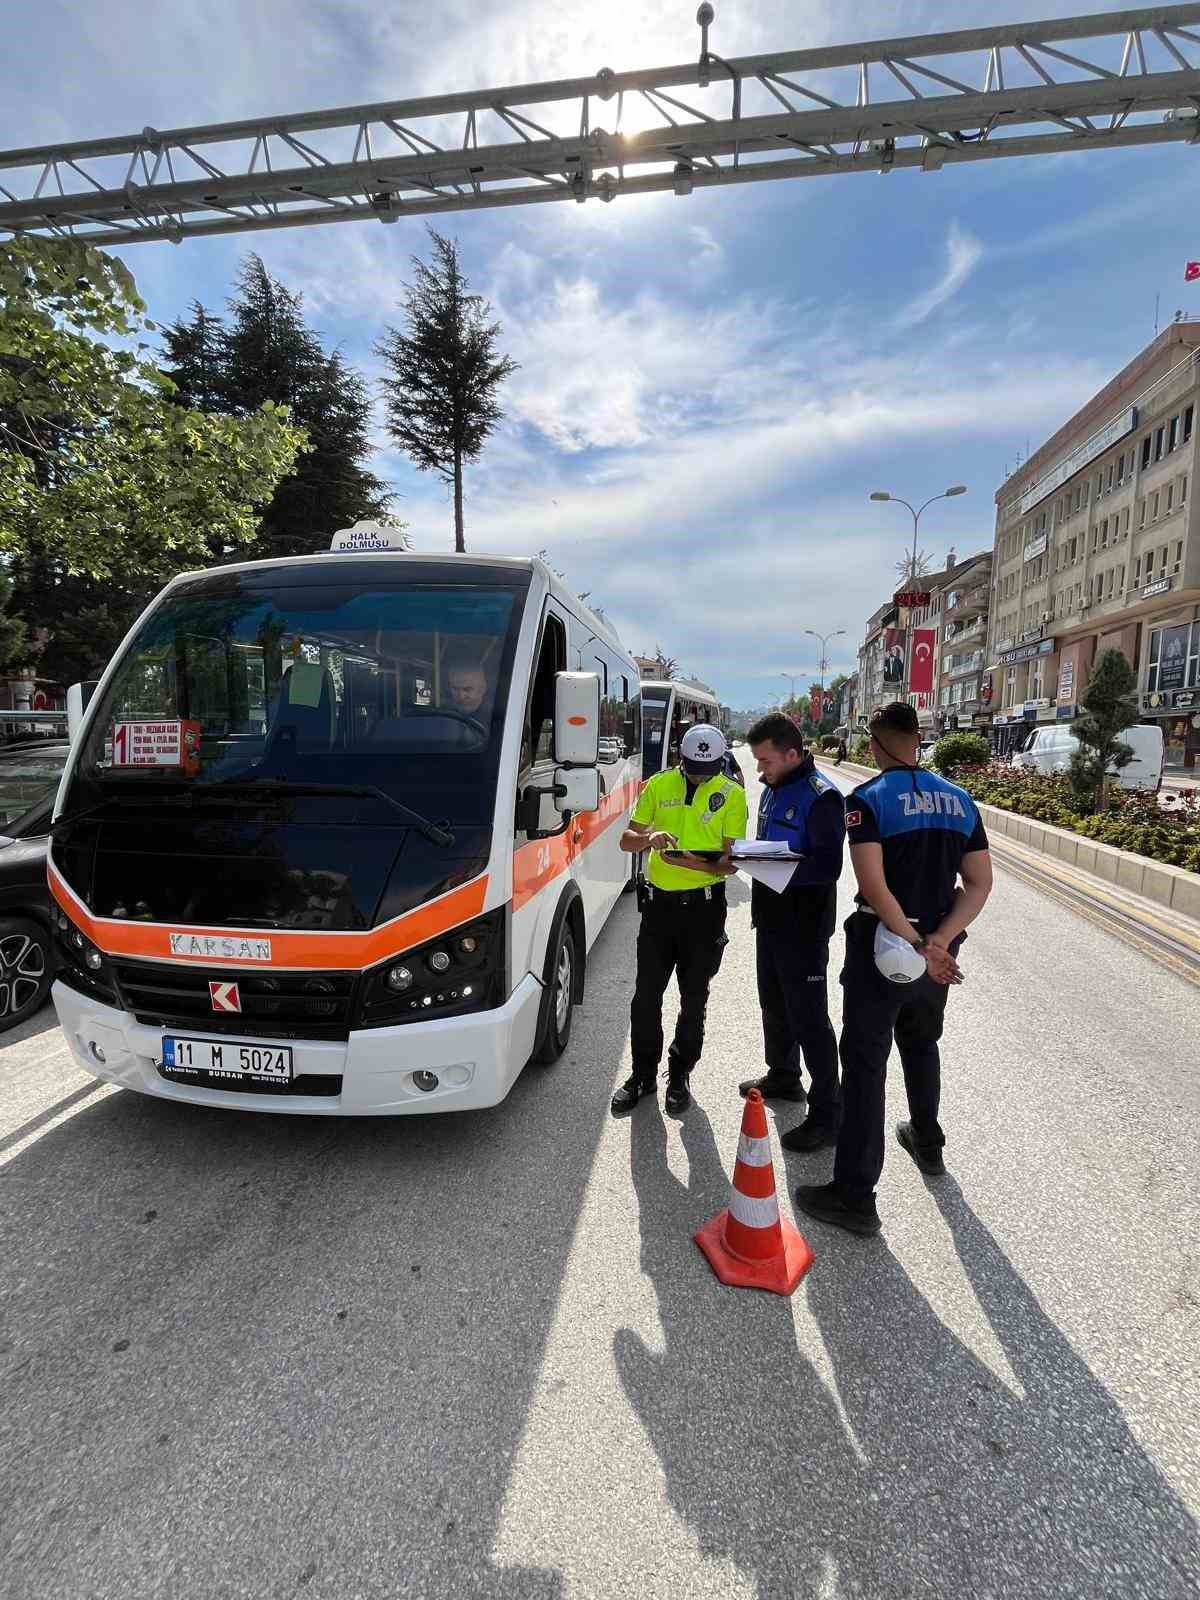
561	997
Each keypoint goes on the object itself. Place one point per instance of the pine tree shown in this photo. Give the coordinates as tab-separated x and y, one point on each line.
268	352
1108	706
195	352
442	397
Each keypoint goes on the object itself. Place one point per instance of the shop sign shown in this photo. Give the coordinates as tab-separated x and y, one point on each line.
1024	652
1030	634
1185	700
1172	657
913	598
1066	681
1120	425
1159	587
1066	713
1036	547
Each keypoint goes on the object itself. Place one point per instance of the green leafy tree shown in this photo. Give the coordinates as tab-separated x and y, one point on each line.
14	636
1107	707
100	473
446	371
267	354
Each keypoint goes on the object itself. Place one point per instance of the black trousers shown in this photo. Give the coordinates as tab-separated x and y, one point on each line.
794	996
874	1012
685	937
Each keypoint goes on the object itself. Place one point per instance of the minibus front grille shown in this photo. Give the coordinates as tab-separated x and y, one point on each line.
274	1005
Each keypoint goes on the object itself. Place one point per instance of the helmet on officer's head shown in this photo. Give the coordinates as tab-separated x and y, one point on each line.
702	750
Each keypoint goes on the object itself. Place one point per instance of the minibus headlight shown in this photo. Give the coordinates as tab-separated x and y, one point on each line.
462	970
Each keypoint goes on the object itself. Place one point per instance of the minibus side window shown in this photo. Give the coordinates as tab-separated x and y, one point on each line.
538	742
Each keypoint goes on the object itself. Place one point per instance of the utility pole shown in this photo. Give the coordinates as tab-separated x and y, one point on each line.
946	494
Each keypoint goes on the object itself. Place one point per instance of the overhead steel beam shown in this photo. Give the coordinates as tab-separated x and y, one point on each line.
1037	94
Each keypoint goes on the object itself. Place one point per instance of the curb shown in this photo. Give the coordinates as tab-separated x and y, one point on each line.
1172	887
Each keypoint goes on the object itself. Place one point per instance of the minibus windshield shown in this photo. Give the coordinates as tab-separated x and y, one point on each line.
399	688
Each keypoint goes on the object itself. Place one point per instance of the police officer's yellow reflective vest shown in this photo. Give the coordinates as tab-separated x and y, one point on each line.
700	819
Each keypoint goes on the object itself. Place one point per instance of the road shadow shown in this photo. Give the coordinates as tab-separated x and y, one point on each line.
42	1021
975	1486
254	1354
740	1419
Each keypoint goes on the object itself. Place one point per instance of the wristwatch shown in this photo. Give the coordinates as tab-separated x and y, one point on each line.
921	946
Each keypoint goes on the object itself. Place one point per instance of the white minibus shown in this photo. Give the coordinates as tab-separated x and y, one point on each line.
338	833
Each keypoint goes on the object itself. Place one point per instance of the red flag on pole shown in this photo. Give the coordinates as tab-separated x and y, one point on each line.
1191	270
814	703
920	673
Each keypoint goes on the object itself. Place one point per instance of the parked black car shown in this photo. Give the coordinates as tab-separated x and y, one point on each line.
29	777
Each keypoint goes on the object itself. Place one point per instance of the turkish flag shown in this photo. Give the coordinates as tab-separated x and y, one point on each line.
1191	270
814	704
920	677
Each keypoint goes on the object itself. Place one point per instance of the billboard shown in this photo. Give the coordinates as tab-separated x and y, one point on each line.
893	658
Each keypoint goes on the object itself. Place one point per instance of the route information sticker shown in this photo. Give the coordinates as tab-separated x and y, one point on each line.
156	744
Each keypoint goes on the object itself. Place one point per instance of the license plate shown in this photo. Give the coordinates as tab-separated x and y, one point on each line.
229	1060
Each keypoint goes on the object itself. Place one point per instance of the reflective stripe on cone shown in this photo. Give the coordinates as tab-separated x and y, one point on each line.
749	1245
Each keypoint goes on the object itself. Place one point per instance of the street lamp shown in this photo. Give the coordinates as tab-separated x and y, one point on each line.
946	494
791	681
824	638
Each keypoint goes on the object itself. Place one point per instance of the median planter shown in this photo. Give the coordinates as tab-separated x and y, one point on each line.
1175	888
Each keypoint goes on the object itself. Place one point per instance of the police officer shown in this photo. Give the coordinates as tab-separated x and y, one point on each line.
688	808
913	837
792	930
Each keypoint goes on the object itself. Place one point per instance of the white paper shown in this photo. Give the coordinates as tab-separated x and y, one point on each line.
763	850
775	874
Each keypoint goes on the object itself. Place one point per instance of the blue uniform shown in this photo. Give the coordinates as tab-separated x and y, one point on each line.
792	932
924	825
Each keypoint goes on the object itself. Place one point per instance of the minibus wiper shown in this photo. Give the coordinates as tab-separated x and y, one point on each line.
134	802
364	791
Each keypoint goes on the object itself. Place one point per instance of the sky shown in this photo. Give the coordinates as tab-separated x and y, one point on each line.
709	386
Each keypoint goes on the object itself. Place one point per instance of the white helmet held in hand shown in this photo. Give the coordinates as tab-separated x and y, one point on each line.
896	958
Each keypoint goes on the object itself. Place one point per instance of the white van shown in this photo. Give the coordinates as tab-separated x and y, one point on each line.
1049	749
338	833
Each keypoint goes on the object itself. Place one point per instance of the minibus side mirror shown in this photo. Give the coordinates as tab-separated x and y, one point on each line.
576	719
577	789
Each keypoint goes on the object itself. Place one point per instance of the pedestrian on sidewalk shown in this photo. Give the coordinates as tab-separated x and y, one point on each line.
686	818
913	837
792	930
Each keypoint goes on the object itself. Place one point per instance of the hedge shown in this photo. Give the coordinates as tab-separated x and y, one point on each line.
1134	820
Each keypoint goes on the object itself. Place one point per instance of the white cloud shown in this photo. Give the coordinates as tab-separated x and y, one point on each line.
963	254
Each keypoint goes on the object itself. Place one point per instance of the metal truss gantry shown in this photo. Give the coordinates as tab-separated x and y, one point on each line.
974	95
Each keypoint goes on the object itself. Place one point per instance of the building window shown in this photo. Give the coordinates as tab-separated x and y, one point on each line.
1170	495
1187	423
1141	513
1183	489
1154	507
1147	446
1172	433
1159	437
1108	476
1125	522
1179	555
1137	572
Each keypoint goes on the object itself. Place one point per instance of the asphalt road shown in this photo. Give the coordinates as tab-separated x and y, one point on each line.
260	1356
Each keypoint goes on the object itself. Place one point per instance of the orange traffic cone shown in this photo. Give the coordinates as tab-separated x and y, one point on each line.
749	1245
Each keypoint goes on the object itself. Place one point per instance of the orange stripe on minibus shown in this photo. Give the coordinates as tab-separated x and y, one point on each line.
349	952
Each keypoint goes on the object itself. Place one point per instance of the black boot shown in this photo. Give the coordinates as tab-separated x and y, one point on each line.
775	1086
678	1096
630	1092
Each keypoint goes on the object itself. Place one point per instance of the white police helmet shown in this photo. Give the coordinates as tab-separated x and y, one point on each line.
896	958
702	750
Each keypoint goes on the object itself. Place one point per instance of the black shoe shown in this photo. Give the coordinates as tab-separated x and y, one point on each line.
630	1092
810	1135
678	1096
821	1200
775	1086
929	1161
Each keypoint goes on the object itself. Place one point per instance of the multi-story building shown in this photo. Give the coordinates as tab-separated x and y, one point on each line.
873	690
963	688
1098	546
